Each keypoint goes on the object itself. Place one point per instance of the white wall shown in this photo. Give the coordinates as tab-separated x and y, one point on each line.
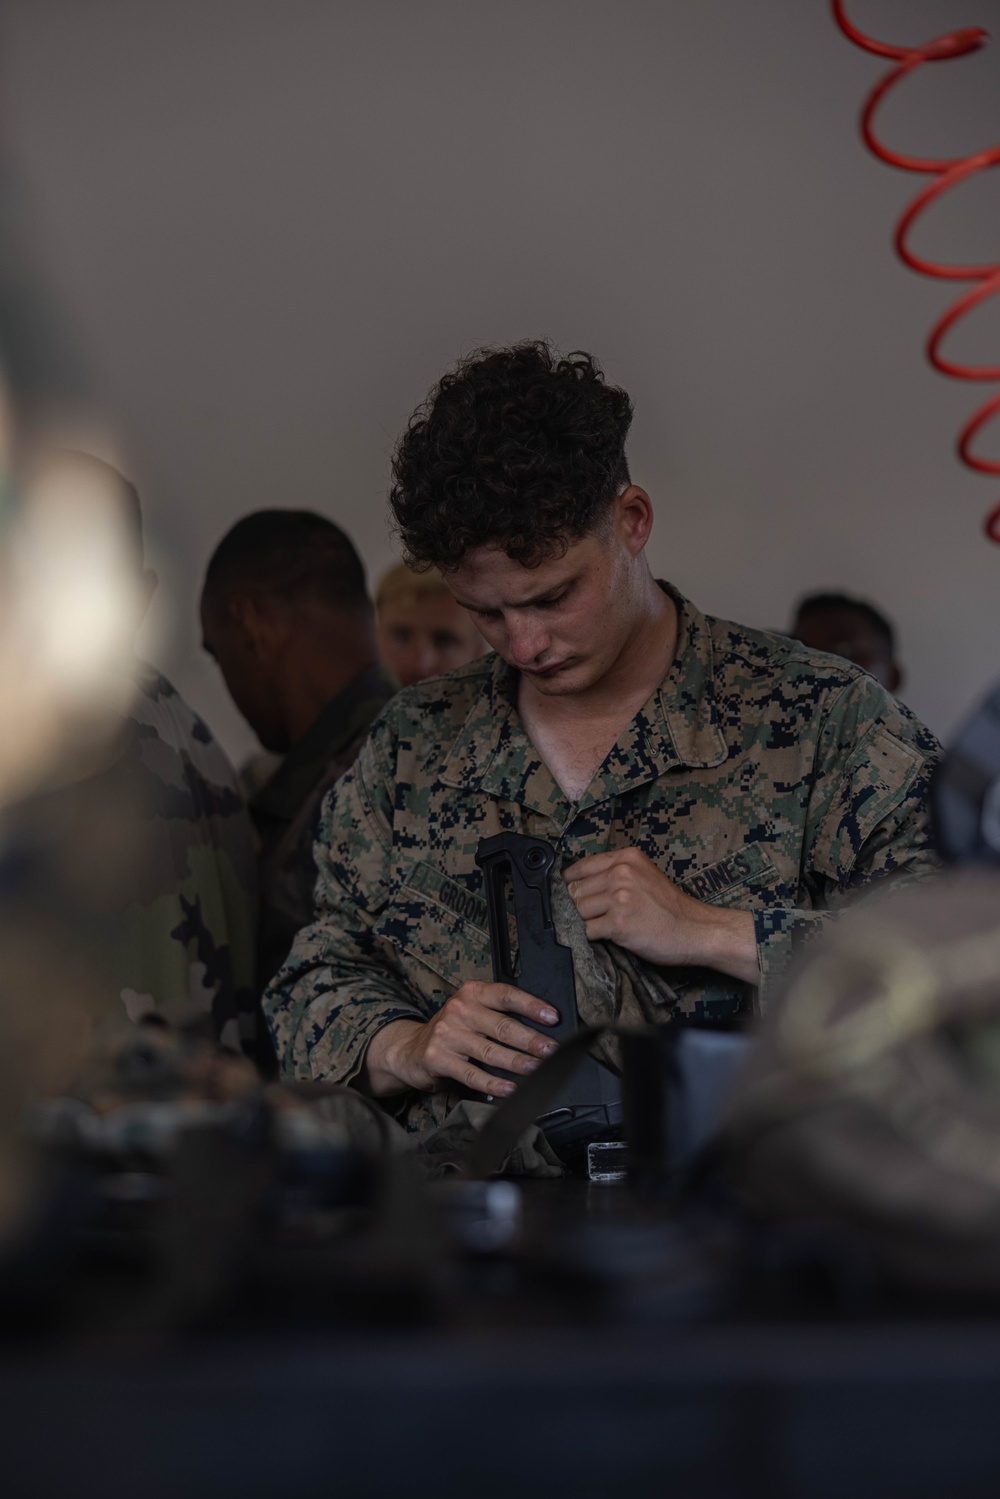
276	222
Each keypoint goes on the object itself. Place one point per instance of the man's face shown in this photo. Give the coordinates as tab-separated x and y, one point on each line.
562	624
246	675
421	637
844	632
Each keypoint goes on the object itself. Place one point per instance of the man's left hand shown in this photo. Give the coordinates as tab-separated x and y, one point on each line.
623	897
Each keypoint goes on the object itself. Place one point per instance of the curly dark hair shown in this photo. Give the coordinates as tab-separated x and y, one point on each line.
517	448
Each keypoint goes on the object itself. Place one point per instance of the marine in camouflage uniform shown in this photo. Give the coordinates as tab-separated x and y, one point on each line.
760	776
286	810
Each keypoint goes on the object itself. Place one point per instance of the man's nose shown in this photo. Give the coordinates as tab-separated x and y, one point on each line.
526	642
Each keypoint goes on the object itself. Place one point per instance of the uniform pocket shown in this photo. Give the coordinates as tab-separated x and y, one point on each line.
434	924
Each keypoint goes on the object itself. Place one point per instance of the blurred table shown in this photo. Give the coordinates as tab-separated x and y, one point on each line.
688	1407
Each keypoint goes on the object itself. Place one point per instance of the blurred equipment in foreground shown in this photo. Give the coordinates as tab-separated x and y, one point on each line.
182	1193
422	631
70	604
83	931
853	629
67	616
144	857
871	1104
68	613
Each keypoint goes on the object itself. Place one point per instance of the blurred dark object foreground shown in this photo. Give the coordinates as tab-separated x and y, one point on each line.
872	1097
551	1385
229	1289
224	1287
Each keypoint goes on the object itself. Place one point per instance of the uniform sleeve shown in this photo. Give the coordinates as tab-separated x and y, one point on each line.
868	817
338	985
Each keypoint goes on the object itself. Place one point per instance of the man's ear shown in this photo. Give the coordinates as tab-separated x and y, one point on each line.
633	518
258	621
895	675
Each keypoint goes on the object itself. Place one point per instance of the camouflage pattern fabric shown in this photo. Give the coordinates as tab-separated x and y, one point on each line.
760	776
869	1106
188	934
148	867
286	811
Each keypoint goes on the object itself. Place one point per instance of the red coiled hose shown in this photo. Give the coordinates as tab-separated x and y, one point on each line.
948	174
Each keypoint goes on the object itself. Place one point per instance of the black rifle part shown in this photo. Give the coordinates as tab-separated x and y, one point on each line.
588	1105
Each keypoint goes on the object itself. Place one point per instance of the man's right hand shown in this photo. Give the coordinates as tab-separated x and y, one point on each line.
477	1024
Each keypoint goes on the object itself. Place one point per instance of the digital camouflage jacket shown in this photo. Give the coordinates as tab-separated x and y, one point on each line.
760	776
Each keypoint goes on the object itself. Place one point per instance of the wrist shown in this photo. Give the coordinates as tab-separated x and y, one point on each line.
728	943
388	1061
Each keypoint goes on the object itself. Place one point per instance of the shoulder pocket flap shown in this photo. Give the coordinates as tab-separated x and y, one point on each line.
876	779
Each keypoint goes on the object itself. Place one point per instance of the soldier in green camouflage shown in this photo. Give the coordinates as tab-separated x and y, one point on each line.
714	792
286	614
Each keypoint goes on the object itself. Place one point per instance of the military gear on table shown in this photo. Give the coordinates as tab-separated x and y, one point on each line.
286	811
148	867
759	776
872	1098
140	1089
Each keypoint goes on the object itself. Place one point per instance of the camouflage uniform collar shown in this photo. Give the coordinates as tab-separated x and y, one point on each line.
686	697
677	726
283	795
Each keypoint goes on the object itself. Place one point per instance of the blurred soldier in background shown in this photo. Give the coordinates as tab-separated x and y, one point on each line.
147	860
422	631
850	628
286	614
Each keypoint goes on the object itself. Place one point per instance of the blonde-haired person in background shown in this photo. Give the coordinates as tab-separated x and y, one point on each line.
421	630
